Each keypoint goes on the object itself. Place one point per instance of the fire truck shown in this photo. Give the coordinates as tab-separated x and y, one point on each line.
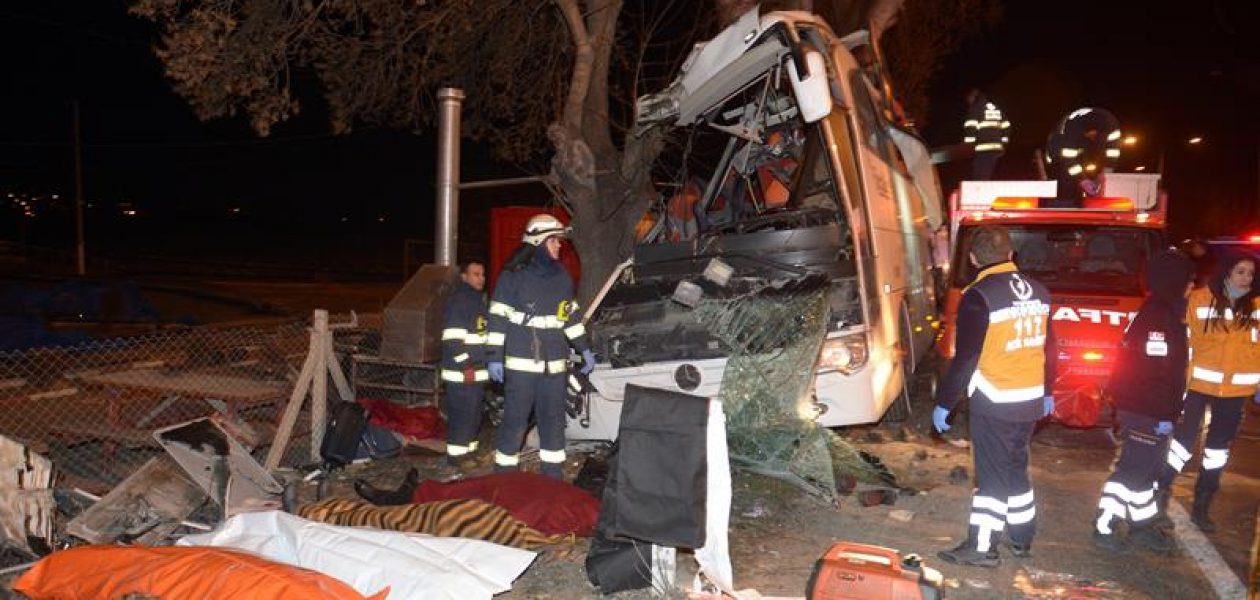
1091	258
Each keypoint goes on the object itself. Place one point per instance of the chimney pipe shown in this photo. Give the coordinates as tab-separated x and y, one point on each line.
447	206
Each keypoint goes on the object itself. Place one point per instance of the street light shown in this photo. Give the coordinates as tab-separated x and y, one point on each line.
1140	168
1196	140
1130	140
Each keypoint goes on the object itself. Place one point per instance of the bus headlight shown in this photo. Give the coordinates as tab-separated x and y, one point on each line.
846	354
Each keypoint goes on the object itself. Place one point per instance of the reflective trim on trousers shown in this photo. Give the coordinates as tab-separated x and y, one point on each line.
1215	458
479	375
458	450
529	365
506	460
1122	492
551	456
1177	455
1111	508
1021	516
988	525
989	503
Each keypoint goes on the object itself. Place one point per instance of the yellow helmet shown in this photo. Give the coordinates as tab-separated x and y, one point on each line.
541	227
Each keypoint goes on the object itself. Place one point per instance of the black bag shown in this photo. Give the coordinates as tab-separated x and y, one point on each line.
346	423
378	442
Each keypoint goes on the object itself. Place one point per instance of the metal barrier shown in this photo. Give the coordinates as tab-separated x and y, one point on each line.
92	408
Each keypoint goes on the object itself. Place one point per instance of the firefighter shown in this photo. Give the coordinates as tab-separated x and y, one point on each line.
533	320
1147	385
1000	359
987	131
463	370
1082	148
1224	373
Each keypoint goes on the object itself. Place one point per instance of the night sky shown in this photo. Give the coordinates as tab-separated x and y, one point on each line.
1168	73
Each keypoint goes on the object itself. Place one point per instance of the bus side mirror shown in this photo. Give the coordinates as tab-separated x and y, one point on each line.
813	94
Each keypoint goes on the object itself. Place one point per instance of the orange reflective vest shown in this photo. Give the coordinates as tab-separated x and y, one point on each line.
1224	357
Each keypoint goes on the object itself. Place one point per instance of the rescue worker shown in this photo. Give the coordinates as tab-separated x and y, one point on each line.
988	133
1000	360
1148	386
1082	148
1224	373
533	320
463	368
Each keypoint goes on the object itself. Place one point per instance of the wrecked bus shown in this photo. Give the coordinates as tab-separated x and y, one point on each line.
779	178
1091	259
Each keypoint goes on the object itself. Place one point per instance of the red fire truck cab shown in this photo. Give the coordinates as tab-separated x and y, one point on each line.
1091	258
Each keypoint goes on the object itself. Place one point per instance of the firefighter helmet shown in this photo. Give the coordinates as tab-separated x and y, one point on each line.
541	227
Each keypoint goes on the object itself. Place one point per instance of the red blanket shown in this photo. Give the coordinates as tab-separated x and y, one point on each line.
548	505
420	422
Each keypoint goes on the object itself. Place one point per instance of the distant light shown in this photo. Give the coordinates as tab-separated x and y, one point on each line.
1091	168
380	219
56	197
344	219
1196	140
130	212
1255	239
1130	140
235	210
1140	168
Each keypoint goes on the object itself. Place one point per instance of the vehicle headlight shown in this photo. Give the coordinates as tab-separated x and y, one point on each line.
845	353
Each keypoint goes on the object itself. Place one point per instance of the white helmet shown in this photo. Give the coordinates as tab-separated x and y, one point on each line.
541	227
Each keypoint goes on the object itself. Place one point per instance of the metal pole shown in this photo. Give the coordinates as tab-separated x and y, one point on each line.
79	249
447	231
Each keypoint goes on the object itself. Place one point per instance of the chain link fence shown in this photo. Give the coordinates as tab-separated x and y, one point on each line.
92	408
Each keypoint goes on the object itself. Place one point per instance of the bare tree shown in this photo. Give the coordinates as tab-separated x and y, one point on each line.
541	76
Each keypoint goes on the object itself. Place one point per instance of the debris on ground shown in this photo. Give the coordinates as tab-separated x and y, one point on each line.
1036	583
904	516
958	475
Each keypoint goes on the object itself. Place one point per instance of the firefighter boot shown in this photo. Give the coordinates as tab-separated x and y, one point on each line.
1199	515
1162	497
966	554
395	497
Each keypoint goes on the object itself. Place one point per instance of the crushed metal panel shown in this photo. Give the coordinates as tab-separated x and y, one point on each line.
220	465
148	503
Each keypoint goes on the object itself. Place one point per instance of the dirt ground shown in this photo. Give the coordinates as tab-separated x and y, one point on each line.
777	531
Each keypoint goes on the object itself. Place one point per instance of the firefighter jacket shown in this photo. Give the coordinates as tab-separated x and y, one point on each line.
986	129
1000	346
464	330
1224	356
1072	152
534	317
1149	375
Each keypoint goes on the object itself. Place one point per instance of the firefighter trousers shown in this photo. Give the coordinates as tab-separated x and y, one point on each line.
463	417
1227	414
543	395
1129	493
1003	498
983	164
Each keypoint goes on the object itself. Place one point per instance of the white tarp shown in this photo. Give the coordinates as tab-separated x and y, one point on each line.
414	566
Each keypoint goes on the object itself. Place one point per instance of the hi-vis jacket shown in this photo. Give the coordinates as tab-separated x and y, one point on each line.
1000	349
1224	360
464	329
1073	153
986	129
534	317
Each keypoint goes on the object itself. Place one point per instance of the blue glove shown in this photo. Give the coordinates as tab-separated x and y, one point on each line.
1047	406
588	361
496	371
939	414
1163	428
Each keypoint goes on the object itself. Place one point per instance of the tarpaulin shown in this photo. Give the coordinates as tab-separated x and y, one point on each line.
414	566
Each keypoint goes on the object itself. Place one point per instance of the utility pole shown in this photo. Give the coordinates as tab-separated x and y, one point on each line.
79	250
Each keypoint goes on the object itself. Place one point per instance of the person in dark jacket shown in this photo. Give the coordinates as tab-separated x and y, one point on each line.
463	368
1082	148
534	318
1000	363
1148	386
987	131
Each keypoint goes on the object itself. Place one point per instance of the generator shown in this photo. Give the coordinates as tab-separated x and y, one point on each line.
852	571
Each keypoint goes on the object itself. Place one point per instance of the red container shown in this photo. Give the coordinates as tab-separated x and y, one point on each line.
851	571
507	225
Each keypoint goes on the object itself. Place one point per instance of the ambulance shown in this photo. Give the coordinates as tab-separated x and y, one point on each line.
1091	258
